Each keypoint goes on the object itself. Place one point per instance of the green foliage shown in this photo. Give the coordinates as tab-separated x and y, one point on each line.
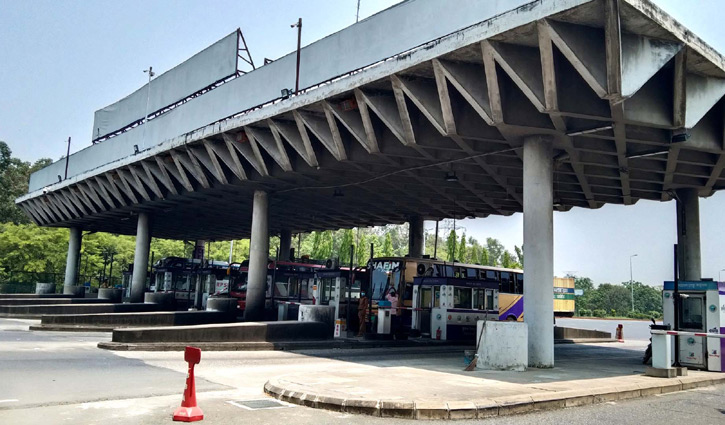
462	254
617	299
388	246
344	250
599	313
519	255
14	176
483	258
585	312
495	251
451	243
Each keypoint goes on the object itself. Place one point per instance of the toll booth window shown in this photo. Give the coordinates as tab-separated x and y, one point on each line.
462	297
519	283
479	299
507	283
692	313
305	289
436	296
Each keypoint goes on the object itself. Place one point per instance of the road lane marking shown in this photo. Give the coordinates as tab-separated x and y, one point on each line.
9	400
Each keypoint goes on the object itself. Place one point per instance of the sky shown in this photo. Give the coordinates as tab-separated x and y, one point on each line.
60	60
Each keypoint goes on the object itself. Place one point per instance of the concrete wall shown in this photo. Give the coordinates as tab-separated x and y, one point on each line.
37	310
573	333
503	345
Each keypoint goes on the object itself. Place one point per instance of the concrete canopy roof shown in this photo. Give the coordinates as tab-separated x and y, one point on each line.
632	100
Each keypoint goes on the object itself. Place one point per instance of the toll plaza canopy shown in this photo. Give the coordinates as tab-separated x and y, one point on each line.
419	110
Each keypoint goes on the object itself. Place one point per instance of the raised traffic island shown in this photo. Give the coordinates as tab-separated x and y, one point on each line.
36	311
217	336
107	322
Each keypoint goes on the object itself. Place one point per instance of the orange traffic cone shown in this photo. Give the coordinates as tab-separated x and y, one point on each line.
189	411
620	333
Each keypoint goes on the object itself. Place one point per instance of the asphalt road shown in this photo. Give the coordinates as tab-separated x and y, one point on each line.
55	378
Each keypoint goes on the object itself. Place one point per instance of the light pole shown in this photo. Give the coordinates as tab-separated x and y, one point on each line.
631	282
151	73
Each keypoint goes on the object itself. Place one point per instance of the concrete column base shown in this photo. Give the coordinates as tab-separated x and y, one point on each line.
76	291
223	304
318	313
112	294
45	288
163	298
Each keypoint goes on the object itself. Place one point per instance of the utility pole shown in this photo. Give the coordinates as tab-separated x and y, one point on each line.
67	155
357	14
299	42
151	73
631	282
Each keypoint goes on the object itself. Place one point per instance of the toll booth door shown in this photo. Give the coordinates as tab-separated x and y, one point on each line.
426	303
692	318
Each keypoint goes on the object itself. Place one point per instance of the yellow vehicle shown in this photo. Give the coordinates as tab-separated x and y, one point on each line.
564	300
398	273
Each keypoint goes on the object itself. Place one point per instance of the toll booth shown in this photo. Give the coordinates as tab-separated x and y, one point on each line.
331	288
448	308
702	310
178	276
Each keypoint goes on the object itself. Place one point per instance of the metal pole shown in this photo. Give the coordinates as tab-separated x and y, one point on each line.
67	155
349	287
357	14
299	42
146	115
435	244
231	251
631	281
676	295
370	288
110	271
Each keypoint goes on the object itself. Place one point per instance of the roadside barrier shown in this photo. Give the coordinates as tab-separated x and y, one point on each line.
189	411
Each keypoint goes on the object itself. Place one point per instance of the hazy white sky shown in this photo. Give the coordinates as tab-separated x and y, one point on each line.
60	60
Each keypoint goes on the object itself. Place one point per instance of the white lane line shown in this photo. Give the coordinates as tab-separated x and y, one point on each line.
8	400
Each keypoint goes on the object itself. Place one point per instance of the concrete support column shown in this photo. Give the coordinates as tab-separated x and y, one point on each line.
71	260
258	257
416	235
285	244
688	234
198	253
140	259
539	249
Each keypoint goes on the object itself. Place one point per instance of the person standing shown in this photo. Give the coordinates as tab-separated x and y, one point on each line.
362	310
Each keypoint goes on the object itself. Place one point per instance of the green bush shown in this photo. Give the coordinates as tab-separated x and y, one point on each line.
599	313
654	315
585	312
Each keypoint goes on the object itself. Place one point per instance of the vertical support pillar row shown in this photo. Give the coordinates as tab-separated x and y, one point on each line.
71	260
140	259
539	248
285	244
688	234
258	257
416	235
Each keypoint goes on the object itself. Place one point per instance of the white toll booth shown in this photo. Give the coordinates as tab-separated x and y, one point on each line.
448	308
702	310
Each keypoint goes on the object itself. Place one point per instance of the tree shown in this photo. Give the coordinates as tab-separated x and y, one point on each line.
388	246
483	258
451	243
14	177
495	251
519	255
462	255
507	260
344	248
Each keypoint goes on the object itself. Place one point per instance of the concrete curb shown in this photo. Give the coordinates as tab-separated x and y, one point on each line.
485	408
281	345
263	345
58	328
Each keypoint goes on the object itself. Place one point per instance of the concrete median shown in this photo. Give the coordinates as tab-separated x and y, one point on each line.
36	311
230	332
50	301
110	321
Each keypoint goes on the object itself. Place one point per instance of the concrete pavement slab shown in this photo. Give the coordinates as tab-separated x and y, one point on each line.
441	390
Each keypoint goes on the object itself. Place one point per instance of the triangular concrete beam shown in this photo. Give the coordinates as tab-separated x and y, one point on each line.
702	93
642	57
